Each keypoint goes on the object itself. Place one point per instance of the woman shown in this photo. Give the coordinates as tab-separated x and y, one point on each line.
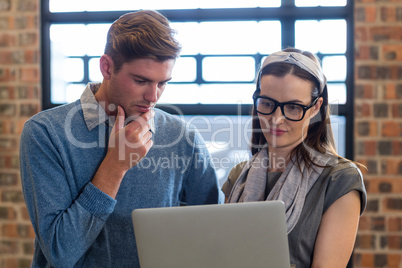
294	160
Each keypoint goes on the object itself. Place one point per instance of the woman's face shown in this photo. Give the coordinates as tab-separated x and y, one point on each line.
281	133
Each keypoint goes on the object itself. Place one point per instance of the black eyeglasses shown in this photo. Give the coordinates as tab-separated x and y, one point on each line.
290	110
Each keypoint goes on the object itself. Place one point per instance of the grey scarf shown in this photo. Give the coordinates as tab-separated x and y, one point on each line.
292	186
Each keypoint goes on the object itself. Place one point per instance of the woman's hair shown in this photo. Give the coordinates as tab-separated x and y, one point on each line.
141	34
319	136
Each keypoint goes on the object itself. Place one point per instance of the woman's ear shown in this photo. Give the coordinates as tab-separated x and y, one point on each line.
316	108
106	66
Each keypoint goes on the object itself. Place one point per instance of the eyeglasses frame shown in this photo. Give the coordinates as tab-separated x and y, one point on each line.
281	104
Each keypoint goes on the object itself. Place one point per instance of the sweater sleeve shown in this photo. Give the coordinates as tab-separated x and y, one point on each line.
65	224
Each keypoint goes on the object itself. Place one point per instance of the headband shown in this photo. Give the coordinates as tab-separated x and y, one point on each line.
300	60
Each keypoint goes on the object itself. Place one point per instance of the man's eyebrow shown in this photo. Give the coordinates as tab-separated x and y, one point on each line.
140	77
167	80
148	80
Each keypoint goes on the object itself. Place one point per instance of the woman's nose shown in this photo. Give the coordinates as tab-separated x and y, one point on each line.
277	117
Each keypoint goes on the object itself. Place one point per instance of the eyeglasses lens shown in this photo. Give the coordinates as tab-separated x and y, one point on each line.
292	111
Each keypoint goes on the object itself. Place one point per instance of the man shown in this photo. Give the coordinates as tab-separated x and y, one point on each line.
86	165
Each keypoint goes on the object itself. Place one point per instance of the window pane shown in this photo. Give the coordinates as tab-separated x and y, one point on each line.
94	70
96	39
58	91
79	39
336	93
188	34
338	124
66	6
74	92
68	39
228	68
307	35
180	94
271	39
192	37
334	68
325	36
333	36
226	93
107	5
229	37
208	94
57	81
185	70
237	4
312	3
227	138
73	70
270	3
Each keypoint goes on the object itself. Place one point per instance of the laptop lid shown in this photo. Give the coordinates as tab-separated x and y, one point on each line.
239	235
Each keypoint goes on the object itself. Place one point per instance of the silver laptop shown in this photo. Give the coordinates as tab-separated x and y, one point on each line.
239	235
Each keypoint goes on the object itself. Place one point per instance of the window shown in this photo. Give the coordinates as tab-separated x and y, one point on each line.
223	42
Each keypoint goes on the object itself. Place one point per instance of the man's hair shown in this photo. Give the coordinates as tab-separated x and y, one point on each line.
141	34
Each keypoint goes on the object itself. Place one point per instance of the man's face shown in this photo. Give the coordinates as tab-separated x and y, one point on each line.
137	86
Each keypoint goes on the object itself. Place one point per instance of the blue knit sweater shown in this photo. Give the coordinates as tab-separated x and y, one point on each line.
76	224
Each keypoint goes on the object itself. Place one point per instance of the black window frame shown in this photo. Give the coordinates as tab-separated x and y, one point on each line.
287	14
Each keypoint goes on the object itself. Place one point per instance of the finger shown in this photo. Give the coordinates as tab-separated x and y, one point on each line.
145	117
119	122
143	152
145	129
137	137
147	136
141	120
148	145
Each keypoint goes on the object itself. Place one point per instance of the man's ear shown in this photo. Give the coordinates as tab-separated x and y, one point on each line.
106	66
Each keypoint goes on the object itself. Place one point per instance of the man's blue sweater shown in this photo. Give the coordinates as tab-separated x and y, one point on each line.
76	224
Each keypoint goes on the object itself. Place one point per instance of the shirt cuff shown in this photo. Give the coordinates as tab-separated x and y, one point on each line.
96	202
